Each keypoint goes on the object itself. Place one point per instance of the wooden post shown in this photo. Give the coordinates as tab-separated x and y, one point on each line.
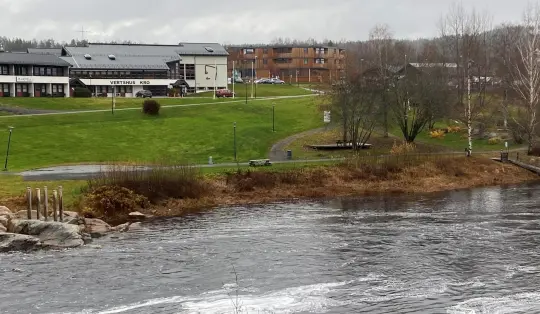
61	203
29	196
38	203
45	203
55	205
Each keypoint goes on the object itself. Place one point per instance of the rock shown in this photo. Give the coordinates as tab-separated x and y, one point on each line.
10	242
4	211
135	226
68	215
96	227
136	216
87	238
122	227
51	234
3	229
4	221
23	214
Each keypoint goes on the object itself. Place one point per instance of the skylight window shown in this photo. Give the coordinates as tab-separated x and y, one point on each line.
209	49
88	57
112	57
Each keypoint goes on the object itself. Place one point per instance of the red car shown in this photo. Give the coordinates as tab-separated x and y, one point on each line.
224	93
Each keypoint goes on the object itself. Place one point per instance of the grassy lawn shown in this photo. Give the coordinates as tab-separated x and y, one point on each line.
182	133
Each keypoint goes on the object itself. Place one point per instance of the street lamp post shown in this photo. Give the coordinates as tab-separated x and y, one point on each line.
9	142
234	139
273	117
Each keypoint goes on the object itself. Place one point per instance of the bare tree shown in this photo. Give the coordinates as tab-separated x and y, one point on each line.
527	73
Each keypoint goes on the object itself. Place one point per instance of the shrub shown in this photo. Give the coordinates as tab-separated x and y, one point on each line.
82	92
535	151
403	148
437	134
158	183
495	141
112	202
151	107
453	129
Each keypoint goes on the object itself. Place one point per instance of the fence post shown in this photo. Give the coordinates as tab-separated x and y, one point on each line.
55	205
38	203
46	203
61	203
29	196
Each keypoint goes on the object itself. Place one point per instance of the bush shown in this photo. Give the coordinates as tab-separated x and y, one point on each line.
403	148
112	202
495	141
156	184
453	129
437	134
151	107
82	92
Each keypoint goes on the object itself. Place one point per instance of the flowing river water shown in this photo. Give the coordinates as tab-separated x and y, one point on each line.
473	251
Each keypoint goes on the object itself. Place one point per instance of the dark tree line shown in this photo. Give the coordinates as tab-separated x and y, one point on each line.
21	44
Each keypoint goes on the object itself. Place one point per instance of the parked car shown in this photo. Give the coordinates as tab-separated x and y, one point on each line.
224	93
262	81
144	93
276	81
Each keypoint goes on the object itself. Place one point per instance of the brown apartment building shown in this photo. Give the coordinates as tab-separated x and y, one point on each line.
298	63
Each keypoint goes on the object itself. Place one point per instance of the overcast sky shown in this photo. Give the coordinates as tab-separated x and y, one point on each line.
233	21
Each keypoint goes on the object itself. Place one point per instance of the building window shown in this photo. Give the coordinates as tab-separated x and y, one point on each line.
190	72
306	61
22	88
57	88
319	61
4	69
21	70
306	50
248	51
265	50
265	61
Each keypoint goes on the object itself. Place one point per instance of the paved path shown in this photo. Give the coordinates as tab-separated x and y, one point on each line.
84	172
26	111
278	153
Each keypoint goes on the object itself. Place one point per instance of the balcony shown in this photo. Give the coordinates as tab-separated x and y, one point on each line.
282	55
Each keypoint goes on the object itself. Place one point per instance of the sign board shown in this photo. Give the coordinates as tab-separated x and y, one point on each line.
24	79
130	82
327	117
506	144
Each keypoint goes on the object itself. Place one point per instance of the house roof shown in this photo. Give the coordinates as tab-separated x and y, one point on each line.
137	56
31	59
270	46
45	51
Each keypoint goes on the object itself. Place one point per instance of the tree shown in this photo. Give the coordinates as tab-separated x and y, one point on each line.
527	73
415	97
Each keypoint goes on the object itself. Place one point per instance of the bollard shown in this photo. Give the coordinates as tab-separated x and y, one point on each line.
61	203
55	205
45	203
29	195
38	203
210	160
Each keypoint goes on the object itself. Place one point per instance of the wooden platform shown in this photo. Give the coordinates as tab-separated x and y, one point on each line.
338	146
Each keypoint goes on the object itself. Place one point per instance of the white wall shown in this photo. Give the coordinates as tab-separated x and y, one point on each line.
34	79
127	82
207	80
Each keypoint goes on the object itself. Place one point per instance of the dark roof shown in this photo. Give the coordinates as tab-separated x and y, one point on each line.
269	46
46	51
136	56
31	59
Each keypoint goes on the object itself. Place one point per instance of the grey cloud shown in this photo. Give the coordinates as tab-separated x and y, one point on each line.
238	21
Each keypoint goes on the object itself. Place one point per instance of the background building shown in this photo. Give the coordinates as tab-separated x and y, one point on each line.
126	69
33	75
309	63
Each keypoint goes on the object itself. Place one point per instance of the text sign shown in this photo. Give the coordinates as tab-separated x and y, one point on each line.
24	79
327	117
134	82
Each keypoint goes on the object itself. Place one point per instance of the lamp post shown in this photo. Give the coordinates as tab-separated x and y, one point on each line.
112	99
273	117
252	76
9	142
234	140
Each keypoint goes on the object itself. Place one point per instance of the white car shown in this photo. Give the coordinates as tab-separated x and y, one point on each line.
276	81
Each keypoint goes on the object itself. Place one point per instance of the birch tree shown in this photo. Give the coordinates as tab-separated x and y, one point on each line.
527	73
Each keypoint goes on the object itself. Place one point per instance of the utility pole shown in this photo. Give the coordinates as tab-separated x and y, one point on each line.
468	113
233	78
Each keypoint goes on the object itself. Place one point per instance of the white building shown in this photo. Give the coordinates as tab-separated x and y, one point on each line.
126	69
33	75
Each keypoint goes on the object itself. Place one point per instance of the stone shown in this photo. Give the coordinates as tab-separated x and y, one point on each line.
52	234
10	242
4	221
135	226
4	211
122	227
136	216
3	229
96	227
68	215
23	214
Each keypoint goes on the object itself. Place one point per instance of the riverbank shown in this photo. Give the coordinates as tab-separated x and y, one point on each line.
395	175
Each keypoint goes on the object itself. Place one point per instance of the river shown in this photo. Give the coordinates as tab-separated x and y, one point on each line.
473	251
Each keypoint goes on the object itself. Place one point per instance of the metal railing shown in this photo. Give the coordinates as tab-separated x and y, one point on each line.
42	204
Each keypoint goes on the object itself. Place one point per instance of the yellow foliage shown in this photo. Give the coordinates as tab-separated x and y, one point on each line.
454	129
437	134
402	148
495	141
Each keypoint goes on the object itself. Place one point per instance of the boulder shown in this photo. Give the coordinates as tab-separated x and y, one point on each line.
135	226
4	211
23	214
51	234
10	242
96	227
3	229
136	216
122	227
68	215
4	221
